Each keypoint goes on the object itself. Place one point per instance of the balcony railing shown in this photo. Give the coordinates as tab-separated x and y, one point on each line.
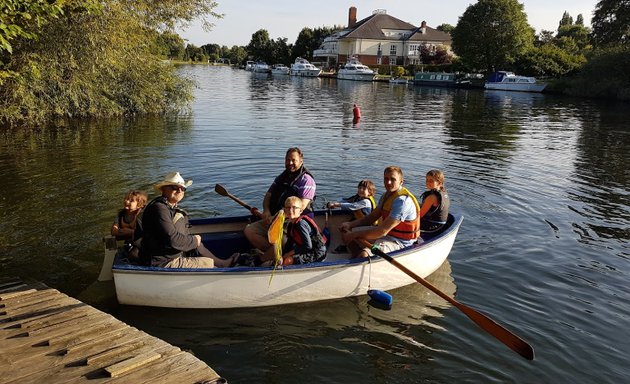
322	52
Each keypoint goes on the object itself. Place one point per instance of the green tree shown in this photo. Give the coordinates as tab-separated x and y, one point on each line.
611	22
281	51
549	60
171	45
566	20
579	20
23	19
260	45
305	44
89	64
445	28
237	55
492	34
578	33
545	37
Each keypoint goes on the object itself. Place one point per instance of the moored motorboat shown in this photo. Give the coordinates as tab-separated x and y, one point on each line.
354	70
279	69
336	277
508	81
398	80
249	65
261	67
302	67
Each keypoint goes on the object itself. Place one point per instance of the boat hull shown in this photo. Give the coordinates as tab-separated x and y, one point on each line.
515	87
306	72
336	277
355	76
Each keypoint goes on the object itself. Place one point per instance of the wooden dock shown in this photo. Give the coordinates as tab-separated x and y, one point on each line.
49	337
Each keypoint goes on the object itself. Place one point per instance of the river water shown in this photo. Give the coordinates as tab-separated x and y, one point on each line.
542	182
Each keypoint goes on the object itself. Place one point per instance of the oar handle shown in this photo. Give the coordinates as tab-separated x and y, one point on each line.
502	334
218	188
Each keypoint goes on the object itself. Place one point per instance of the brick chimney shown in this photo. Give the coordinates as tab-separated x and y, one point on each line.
423	27
352	17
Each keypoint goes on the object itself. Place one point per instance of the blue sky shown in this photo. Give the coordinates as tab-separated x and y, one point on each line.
282	18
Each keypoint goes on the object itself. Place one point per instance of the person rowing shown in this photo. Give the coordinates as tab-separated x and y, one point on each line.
295	180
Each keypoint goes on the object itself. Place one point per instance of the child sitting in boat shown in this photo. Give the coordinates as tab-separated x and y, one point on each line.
305	242
360	204
125	224
434	203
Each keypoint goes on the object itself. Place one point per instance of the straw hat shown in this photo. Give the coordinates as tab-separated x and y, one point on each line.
173	178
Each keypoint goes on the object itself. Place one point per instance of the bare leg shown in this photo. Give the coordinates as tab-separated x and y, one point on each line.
256	239
357	251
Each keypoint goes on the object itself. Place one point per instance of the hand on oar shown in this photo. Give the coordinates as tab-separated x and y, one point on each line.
508	338
218	188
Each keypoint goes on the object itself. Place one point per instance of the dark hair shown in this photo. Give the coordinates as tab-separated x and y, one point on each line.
369	185
294	149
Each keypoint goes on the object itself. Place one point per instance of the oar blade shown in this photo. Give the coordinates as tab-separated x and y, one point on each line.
218	188
505	336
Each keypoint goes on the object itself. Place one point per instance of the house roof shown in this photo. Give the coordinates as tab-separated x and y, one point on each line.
372	28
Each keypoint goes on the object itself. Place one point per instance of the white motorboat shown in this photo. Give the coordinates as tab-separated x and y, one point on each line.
336	277
301	67
279	69
261	67
508	81
354	70
398	80
249	66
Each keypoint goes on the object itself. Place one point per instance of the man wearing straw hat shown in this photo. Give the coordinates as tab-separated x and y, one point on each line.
163	227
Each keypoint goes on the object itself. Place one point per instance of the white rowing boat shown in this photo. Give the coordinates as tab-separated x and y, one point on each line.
336	277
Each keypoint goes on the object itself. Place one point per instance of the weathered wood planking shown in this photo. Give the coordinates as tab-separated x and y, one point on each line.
46	336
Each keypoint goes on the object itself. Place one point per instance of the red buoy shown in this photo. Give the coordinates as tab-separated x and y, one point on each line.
356	112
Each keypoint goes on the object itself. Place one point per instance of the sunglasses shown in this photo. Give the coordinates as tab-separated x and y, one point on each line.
177	188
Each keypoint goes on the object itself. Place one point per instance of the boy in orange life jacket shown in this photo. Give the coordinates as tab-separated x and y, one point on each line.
398	215
305	243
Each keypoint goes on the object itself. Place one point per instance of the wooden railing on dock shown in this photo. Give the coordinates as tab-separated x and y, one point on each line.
49	337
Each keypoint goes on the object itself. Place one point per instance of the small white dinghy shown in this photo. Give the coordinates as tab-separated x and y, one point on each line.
336	277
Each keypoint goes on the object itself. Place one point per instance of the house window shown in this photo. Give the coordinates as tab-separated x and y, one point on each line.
392	50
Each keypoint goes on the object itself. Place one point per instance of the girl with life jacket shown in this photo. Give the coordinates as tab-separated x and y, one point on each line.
305	242
360	204
434	203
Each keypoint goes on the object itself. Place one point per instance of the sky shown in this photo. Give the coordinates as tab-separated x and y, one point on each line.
282	18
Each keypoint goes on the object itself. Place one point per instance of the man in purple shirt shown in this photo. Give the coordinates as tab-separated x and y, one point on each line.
296	180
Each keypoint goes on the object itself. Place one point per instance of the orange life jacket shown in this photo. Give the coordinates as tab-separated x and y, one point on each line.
405	230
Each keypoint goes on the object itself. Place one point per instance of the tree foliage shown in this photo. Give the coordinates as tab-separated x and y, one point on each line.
611	22
445	28
260	45
492	34
95	64
605	75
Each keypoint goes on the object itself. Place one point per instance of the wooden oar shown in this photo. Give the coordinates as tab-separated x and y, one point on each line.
508	338
218	188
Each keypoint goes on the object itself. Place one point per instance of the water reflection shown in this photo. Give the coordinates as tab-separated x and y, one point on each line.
603	155
340	333
541	180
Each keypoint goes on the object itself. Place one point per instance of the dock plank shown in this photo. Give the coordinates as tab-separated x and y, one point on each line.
46	336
